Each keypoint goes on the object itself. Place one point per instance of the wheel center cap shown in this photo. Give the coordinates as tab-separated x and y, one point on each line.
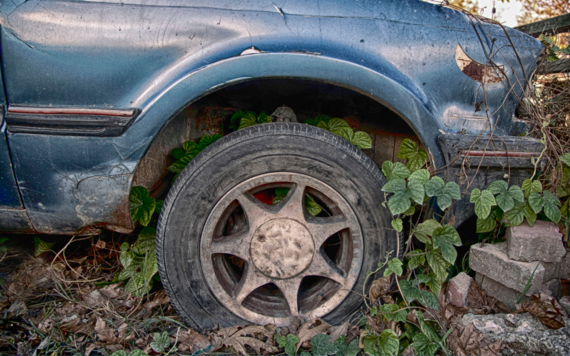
282	248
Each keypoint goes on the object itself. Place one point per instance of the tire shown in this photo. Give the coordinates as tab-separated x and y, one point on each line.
210	252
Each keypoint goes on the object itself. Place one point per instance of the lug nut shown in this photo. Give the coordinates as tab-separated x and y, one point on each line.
261	238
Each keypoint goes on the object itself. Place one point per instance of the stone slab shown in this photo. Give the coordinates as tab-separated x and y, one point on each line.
492	261
499	291
520	334
540	242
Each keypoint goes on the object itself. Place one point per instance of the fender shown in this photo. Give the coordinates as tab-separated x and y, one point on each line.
401	96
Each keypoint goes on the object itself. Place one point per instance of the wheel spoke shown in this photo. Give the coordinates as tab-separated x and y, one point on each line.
237	245
250	281
254	211
294	202
322	268
290	289
323	228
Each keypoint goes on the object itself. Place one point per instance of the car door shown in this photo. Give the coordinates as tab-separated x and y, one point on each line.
9	195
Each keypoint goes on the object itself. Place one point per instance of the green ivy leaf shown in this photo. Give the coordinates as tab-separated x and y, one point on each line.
263	118
421	175
138	352
446	238
119	353
428	299
551	204
207	140
142	205
317	120
288	342
437	263
426	329
410	211
177	153
158	207
160	342
530	187
190	147
536	202
429	280
483	200
393	312
41	246
394	266
424	230
179	165
336	124
321	347
387	343
397	224
343	349
394	170
416	158
146	241
487	224
444	192
519	212
563	187
506	198
248	119
361	140
565	159
400	201
126	257
345	132
410	292
416	261
424	346
311	205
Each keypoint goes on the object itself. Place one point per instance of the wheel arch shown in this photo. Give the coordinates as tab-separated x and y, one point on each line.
399	95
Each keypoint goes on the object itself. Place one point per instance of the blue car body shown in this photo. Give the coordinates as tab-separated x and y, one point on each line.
88	85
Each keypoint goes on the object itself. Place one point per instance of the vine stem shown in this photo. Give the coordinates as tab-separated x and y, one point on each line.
544	123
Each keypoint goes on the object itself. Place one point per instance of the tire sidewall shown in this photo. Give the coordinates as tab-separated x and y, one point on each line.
267	148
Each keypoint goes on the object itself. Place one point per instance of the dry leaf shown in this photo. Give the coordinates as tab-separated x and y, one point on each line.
238	337
160	298
544	308
337	331
105	333
191	341
379	288
310	329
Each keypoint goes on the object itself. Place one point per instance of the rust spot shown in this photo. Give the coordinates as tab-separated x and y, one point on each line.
482	73
120	218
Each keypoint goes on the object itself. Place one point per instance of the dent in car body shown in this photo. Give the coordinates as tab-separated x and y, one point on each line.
158	56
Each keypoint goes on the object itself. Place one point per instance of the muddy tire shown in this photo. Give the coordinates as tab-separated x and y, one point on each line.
237	240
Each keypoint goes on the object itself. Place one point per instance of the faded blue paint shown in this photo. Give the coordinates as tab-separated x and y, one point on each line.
161	55
9	196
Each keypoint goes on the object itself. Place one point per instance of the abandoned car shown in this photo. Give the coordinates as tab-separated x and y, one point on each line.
96	94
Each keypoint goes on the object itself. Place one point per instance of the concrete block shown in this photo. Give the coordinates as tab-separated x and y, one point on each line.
551	270
565	266
565	302
458	288
552	287
492	261
541	242
499	291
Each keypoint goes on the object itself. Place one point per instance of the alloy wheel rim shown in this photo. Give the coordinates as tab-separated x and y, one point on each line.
278	262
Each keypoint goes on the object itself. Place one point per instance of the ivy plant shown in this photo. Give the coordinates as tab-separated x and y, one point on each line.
139	263
341	128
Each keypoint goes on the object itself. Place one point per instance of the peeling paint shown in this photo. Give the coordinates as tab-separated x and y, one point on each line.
482	73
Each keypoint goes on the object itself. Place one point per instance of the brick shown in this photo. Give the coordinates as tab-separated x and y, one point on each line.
492	261
552	287
541	242
565	266
499	291
458	288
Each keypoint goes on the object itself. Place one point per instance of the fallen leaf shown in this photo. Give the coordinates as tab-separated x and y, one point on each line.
544	308
337	331
310	329
238	337
379	288
192	341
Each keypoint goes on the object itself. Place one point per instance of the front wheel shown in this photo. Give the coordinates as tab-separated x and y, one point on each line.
272	222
